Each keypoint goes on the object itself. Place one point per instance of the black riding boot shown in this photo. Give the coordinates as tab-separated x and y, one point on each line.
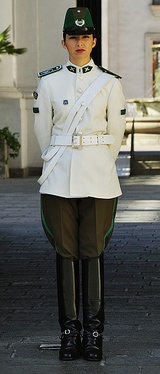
93	307
68	304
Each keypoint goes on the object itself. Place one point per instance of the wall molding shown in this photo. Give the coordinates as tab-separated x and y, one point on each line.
155	9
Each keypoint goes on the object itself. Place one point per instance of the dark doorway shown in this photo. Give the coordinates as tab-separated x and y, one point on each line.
95	9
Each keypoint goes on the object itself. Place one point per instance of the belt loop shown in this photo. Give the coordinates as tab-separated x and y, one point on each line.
53	138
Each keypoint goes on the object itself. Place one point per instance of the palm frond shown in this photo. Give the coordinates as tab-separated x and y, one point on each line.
5	34
6	47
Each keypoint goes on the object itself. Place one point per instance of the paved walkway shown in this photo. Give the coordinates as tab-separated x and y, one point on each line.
28	306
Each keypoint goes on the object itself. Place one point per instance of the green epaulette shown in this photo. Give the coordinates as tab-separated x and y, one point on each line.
49	71
109	72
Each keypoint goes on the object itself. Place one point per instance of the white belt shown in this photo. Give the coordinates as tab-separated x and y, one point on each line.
79	140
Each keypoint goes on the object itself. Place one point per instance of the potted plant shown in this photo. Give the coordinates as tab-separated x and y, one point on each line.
9	140
11	146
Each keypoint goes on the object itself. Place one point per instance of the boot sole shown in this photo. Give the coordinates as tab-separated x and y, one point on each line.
92	359
69	358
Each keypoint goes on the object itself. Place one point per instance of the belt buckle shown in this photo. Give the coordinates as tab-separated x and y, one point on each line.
78	146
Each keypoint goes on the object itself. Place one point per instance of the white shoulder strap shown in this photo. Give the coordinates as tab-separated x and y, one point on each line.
72	121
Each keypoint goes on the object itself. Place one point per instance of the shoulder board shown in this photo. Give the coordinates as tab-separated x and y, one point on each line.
109	72
49	71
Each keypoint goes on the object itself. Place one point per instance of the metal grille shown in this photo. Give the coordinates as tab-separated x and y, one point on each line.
95	9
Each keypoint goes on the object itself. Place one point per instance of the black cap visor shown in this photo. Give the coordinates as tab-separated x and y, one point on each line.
78	31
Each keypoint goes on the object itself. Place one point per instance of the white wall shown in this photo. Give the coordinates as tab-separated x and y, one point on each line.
129	21
36	25
6	71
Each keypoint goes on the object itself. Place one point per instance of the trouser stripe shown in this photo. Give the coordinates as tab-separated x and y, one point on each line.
112	223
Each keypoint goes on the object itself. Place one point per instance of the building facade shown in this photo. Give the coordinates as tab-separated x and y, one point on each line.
128	37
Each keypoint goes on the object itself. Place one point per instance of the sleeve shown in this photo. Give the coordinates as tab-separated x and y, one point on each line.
116	117
43	115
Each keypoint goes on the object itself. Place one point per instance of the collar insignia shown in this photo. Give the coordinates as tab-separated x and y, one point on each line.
75	70
71	68
86	69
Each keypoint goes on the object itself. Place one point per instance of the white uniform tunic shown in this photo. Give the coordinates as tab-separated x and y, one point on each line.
89	171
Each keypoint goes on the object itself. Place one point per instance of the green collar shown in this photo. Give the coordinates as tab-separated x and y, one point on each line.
74	69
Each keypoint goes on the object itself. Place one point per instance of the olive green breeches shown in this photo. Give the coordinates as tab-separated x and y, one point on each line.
78	228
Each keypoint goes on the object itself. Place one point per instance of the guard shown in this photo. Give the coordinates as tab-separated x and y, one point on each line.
79	124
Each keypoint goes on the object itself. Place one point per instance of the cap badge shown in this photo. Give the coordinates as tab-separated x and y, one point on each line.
80	22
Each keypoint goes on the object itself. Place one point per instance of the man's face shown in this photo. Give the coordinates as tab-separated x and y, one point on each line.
79	48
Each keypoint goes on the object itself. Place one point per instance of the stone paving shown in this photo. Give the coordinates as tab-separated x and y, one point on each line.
28	306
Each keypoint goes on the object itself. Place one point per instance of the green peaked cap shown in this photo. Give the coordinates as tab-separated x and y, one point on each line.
78	21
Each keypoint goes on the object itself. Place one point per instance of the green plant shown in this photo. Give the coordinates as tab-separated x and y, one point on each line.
6	46
11	142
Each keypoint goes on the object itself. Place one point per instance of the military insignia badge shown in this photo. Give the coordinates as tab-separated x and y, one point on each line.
71	68
65	102
79	22
35	110
35	95
49	71
87	69
109	72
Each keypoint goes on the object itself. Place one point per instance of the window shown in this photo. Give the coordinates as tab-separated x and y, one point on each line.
155	8
156	2
152	65
156	68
